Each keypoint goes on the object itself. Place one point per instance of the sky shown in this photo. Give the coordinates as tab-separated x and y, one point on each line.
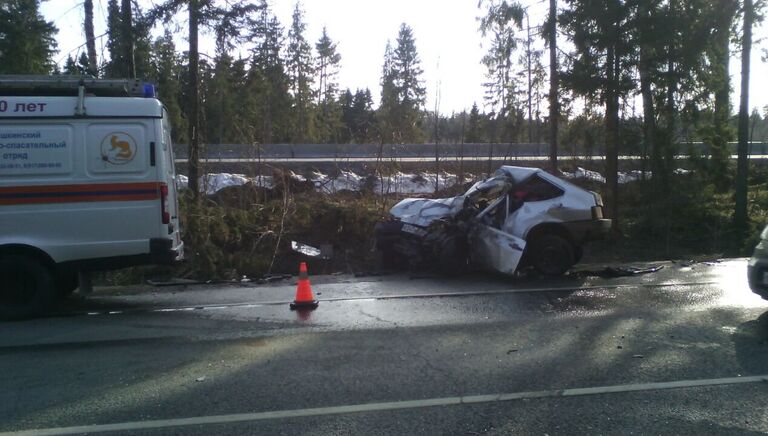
446	33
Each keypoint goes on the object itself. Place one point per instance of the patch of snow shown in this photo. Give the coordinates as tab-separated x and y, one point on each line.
422	183
632	176
215	182
397	183
582	173
263	181
624	177
182	182
297	177
345	181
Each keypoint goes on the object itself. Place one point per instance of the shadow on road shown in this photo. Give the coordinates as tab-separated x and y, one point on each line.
751	344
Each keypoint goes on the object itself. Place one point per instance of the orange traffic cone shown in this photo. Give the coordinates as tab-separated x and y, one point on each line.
304	296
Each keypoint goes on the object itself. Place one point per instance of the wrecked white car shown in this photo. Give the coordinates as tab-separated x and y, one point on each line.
519	217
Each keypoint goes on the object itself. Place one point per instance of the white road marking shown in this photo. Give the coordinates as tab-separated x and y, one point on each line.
215	306
378	407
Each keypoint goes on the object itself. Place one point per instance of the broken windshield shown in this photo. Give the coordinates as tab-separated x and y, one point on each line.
489	189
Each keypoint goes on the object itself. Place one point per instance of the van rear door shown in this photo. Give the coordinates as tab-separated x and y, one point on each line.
171	200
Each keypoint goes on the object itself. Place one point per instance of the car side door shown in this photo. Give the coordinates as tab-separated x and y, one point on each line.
489	245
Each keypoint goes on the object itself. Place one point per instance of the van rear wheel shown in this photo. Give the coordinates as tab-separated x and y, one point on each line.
28	288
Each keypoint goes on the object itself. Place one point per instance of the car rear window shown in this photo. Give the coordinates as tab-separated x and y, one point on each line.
536	189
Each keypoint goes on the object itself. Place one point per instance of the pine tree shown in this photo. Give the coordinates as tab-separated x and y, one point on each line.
220	100
300	68
362	116
500	23
344	133
554	86
474	133
166	67
27	40
128	42
329	111
115	67
267	100
740	212
328	60
411	93
228	22
602	68
389	104
71	67
719	81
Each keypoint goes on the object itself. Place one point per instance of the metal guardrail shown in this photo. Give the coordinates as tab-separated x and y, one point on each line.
412	152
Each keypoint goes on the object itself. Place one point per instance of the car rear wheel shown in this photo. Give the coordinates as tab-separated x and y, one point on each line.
66	283
552	255
28	288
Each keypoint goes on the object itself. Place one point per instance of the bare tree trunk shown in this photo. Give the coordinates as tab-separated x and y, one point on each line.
90	38
740	214
194	113
612	136
649	112
128	38
554	105
437	135
719	151
460	176
528	58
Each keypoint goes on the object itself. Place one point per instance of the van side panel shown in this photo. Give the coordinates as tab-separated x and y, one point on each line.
94	196
76	231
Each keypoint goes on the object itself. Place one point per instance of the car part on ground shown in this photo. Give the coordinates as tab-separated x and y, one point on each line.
518	217
617	271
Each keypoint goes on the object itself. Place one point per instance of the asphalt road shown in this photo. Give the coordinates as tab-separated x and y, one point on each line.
680	351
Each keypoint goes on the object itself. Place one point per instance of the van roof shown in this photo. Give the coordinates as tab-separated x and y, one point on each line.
17	107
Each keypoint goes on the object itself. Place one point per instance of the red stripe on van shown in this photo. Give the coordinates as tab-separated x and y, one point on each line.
41	194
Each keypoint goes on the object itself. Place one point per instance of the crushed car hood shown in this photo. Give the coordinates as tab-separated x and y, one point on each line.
422	211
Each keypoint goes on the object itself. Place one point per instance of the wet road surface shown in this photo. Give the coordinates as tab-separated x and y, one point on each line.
682	350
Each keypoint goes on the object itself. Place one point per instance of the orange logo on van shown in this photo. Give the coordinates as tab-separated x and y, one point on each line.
118	148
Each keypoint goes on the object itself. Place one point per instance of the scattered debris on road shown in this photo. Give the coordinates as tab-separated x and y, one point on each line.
609	272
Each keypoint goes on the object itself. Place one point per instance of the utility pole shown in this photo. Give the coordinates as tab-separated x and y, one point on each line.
554	106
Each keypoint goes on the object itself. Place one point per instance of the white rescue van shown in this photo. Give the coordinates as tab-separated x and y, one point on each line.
87	182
